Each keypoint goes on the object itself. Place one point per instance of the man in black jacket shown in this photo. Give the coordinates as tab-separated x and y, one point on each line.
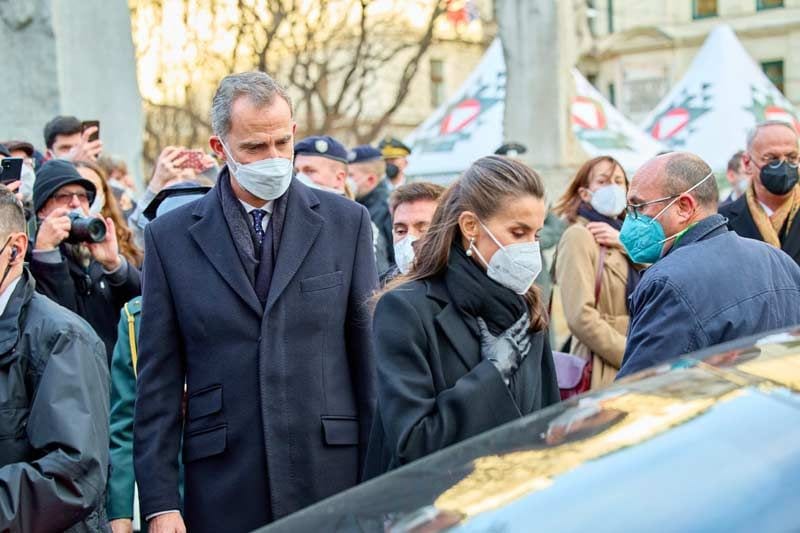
54	396
768	210
368	170
91	279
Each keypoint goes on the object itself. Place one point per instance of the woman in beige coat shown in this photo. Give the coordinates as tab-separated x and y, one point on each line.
594	207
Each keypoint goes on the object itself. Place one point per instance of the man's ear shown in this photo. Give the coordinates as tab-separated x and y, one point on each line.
20	244
687	205
747	164
341	177
216	145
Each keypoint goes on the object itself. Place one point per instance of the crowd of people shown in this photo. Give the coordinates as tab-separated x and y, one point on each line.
276	322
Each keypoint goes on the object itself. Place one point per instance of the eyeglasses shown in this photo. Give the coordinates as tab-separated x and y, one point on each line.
634	210
775	162
64	198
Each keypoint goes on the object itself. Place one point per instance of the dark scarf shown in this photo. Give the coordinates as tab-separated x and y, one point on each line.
586	211
477	295
241	227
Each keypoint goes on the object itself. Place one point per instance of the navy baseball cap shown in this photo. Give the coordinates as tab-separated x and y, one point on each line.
364	153
322	146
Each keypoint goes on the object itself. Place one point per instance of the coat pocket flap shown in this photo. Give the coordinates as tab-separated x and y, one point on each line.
204	443
325	281
205	402
340	430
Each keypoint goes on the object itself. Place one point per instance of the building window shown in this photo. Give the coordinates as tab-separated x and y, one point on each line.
768	4
437	82
592	78
612	94
704	8
610	15
774	71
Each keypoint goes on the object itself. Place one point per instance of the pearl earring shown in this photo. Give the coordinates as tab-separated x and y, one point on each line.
469	250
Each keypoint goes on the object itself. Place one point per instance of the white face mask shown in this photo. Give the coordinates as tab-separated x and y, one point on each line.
404	253
303	178
515	266
27	178
267	179
98	204
609	200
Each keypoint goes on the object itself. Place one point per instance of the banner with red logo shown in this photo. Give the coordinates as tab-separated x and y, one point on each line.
720	98
470	125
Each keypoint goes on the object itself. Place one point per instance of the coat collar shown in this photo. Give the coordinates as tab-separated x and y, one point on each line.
10	321
377	195
708	227
213	236
453	324
301	229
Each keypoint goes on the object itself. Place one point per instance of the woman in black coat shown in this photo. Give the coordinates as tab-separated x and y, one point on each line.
461	341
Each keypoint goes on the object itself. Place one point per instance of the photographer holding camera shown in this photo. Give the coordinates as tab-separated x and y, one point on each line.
75	259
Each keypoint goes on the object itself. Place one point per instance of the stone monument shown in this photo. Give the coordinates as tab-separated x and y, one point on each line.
542	41
71	57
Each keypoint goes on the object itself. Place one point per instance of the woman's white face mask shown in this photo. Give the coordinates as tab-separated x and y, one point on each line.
609	200
515	266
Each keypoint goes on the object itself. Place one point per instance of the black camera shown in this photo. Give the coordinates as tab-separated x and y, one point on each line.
86	229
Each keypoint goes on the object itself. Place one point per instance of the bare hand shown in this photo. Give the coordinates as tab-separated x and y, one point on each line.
14	187
167	167
53	230
604	234
107	252
121	525
167	523
86	150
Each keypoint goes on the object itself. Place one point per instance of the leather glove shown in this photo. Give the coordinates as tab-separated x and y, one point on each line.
507	350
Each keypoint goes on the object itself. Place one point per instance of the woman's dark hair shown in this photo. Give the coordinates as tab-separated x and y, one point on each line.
484	189
567	205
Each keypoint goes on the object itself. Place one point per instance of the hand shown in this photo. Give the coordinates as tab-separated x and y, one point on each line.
166	523
54	230
121	525
508	349
167	167
14	187
85	150
604	234
107	252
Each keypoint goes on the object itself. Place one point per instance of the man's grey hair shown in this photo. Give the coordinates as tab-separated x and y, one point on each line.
12	216
259	87
753	133
684	171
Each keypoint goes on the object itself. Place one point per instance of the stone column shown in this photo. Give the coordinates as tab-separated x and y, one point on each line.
67	57
541	44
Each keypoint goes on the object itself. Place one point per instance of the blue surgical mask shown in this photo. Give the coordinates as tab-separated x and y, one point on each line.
267	179
643	237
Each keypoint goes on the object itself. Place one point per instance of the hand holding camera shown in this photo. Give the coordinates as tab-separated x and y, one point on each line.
65	225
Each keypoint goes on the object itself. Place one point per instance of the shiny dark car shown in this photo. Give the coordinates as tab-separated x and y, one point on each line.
710	442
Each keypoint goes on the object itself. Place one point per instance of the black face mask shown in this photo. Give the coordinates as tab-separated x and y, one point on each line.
779	177
392	170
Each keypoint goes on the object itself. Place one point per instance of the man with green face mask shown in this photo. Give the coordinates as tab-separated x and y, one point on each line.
707	285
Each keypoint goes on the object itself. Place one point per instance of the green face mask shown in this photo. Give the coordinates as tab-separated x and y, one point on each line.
643	236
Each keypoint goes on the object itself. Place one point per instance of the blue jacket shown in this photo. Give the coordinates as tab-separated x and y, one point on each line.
280	397
711	287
